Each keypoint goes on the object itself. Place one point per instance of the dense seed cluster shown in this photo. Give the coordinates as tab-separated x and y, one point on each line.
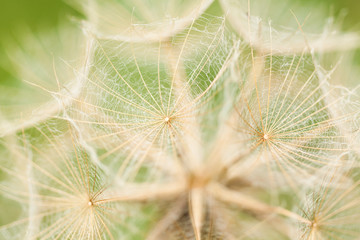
165	123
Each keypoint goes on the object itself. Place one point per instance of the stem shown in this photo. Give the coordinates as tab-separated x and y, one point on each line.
144	192
246	202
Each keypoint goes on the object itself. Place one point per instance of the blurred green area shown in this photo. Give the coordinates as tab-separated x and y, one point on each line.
37	15
350	7
336	7
40	15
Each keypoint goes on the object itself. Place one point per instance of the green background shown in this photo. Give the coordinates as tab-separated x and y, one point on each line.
43	14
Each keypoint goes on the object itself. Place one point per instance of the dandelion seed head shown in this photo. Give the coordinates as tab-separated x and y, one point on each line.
139	125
